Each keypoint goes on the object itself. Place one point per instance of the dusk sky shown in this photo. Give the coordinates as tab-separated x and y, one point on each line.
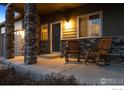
2	13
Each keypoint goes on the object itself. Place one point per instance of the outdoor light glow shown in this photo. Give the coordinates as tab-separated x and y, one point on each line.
68	25
17	33
22	34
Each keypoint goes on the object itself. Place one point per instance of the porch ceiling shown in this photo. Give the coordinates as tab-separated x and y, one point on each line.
46	8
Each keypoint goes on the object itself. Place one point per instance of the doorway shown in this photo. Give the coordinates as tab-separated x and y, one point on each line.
55	36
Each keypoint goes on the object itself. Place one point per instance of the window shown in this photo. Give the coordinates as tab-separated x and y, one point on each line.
44	32
83	27
90	25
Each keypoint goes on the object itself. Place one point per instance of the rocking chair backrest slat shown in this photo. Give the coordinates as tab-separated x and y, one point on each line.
104	45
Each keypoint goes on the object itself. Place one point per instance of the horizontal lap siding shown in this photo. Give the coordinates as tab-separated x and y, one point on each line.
71	32
113	18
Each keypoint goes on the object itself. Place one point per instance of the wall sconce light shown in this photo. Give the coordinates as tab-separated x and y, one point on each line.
67	18
68	24
22	34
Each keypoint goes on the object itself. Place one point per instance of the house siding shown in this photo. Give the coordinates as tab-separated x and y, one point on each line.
45	44
2	38
69	32
113	26
18	43
113	21
18	25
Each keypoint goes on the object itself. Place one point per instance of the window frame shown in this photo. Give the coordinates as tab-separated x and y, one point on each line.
42	32
87	15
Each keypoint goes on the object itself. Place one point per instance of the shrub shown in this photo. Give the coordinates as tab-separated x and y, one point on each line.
59	79
9	77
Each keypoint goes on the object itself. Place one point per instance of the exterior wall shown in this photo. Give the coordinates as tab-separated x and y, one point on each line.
116	49
2	35
3	30
69	30
45	44
113	22
45	49
113	25
112	18
19	39
38	35
18	25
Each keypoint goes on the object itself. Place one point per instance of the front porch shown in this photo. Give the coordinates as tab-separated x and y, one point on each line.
50	30
88	74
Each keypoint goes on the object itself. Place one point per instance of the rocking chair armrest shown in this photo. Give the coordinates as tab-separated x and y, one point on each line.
104	49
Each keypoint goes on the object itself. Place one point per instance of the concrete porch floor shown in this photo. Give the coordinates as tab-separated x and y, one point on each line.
90	74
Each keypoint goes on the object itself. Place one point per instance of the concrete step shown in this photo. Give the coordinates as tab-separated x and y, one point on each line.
51	56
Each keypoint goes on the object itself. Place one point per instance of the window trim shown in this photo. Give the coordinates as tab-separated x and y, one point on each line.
47	32
101	25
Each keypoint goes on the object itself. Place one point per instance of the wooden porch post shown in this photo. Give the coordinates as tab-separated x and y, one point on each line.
30	33
9	33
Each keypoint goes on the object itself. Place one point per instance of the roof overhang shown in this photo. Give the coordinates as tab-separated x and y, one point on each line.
46	8
42	8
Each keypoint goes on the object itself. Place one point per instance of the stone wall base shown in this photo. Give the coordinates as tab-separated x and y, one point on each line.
117	48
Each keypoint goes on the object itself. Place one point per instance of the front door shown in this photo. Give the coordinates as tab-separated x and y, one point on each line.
56	37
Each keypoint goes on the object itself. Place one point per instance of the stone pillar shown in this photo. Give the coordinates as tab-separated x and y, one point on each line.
9	34
30	33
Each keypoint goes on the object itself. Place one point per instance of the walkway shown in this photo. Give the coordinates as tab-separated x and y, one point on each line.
90	74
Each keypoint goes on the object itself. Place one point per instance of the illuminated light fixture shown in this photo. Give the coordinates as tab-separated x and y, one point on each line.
22	34
17	32
67	24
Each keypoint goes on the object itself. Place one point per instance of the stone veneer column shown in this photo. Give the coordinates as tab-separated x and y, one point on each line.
30	33
9	34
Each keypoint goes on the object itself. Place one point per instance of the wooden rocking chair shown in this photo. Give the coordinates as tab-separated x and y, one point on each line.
101	52
73	48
